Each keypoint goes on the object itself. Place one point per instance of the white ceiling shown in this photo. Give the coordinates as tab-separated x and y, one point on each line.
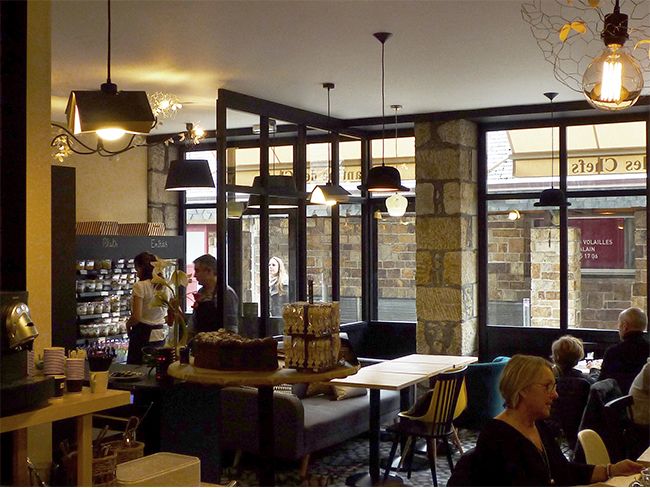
444	55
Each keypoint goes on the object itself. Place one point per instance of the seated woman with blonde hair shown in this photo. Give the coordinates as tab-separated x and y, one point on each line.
516	449
567	351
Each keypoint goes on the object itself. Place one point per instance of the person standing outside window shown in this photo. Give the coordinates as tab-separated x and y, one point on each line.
146	326
278	283
205	317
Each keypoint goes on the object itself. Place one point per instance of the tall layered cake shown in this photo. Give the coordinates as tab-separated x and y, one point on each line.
226	350
311	340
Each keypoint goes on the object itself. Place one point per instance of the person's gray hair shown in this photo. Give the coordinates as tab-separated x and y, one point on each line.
208	261
567	351
635	318
520	372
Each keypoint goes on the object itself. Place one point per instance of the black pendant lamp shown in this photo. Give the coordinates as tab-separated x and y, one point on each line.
281	189
552	197
329	193
383	178
109	112
189	174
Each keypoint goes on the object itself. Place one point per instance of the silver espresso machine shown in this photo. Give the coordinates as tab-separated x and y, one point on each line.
18	391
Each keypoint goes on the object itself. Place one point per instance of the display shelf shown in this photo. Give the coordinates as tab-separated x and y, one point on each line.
125	270
83	340
91	294
104	315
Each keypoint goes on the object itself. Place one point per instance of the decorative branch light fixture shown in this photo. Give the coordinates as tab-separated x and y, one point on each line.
552	197
383	178
329	193
611	79
396	204
108	112
189	174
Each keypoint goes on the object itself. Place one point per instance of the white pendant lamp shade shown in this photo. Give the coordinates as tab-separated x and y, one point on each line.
396	205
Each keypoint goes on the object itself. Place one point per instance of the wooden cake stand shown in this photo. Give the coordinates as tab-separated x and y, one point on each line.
264	381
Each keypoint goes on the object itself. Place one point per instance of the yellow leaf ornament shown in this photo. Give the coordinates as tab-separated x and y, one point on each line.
643	41
594	3
576	25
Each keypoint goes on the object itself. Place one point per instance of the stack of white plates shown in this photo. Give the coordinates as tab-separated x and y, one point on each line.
54	360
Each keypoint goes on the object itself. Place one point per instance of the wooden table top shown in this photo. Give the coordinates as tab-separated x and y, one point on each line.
67	406
410	368
453	361
192	374
369	378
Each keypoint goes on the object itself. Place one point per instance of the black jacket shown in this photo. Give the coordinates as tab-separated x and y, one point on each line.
624	360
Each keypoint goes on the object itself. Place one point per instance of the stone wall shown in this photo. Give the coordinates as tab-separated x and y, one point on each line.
545	277
162	205
447	237
508	259
639	290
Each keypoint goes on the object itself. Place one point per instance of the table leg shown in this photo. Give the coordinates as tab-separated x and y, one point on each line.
85	450
20	475
267	437
373	478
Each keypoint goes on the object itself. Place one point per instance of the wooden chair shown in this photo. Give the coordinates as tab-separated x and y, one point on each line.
435	424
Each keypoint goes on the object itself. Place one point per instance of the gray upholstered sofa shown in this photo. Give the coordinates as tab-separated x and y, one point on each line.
302	425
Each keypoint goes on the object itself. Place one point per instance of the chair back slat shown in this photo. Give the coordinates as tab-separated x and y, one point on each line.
446	389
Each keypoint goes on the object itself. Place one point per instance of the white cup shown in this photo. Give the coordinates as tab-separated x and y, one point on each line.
98	381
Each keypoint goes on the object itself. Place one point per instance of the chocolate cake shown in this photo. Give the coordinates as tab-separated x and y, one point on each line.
226	350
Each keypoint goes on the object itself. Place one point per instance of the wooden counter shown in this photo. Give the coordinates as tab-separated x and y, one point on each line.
79	405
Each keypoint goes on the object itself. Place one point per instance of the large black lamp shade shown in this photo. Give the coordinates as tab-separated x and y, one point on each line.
383	179
189	174
281	190
552	197
90	111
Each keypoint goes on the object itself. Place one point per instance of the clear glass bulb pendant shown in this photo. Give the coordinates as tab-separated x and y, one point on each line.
613	80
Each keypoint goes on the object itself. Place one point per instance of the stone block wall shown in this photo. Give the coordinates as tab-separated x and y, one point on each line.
508	259
545	277
447	237
397	250
162	205
639	290
603	300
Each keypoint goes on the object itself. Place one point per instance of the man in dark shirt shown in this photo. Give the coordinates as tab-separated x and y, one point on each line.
624	360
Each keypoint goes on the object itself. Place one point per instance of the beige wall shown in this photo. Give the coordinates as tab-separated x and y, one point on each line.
39	196
112	189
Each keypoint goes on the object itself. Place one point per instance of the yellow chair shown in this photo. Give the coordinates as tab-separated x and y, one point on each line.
435	424
593	446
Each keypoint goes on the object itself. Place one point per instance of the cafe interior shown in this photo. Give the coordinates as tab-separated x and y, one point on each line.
455	182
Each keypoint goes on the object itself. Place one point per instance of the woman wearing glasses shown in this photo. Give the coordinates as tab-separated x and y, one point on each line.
516	449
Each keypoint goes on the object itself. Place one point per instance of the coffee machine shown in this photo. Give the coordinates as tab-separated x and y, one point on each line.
18	391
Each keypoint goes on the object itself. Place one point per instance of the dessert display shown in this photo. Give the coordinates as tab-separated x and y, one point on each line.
226	350
311	341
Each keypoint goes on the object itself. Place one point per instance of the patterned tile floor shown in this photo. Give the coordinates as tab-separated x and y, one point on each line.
332	466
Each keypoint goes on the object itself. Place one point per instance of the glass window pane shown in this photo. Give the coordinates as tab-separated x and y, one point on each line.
319	251
523	265
200	238
610	248
520	160
350	247
606	156
396	268
282	267
250	275
399	153
350	166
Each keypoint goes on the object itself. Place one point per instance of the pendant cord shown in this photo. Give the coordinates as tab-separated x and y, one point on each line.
383	113
552	144
108	60
329	143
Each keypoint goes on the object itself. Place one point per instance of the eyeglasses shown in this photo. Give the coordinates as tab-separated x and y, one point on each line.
550	387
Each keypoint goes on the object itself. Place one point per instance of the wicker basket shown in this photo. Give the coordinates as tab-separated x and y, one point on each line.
103	469
125	454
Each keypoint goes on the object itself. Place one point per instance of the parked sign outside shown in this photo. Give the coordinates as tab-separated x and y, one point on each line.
602	243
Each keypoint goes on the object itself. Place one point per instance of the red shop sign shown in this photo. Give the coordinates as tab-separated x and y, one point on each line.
603	242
